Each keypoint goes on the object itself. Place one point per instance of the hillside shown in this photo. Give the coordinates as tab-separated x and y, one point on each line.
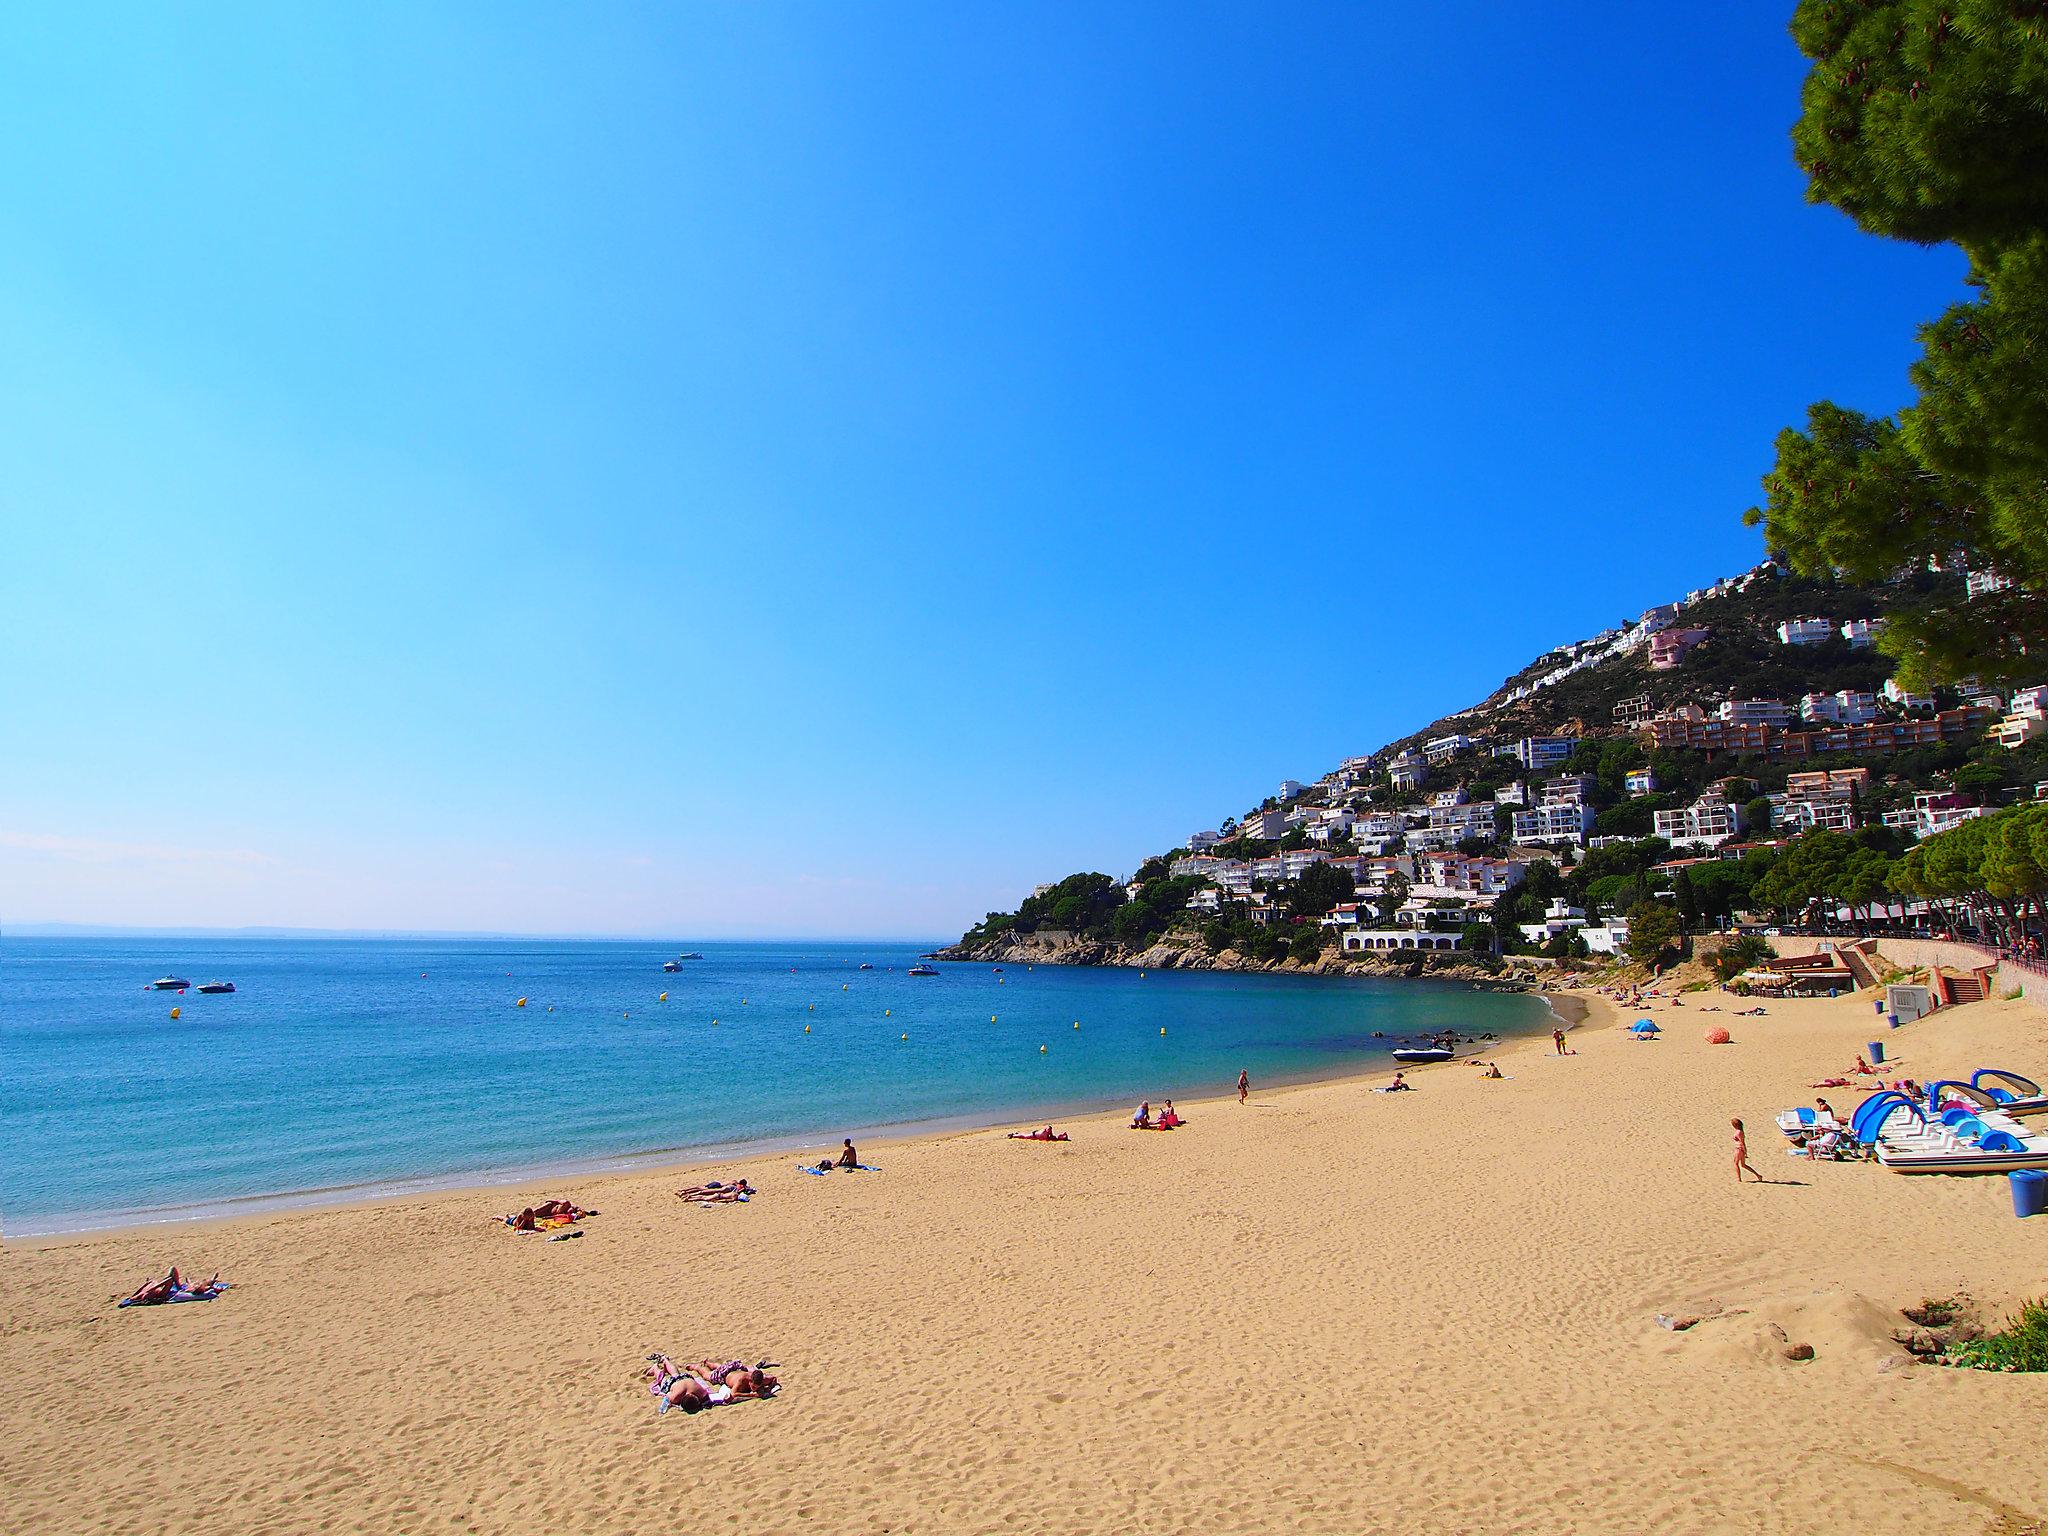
1434	841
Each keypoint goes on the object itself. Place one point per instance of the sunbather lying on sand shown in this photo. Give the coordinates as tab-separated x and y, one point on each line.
715	1193
153	1293
707	1383
1047	1134
549	1213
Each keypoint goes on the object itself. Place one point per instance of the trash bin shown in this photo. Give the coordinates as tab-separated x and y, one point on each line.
1892	1019
1876	1048
1877	1003
2029	1192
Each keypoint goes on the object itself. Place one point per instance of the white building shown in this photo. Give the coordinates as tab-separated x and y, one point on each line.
1266	826
1511	794
1640	781
1444	748
1565	822
1805	631
1291	789
1199	842
1373	940
1711	820
1559	917
1905	698
1847	707
1983	583
1754	711
1832	810
1933	811
1406	775
1862	633
1540	752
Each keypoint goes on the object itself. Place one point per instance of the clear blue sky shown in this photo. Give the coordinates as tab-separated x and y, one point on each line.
820	469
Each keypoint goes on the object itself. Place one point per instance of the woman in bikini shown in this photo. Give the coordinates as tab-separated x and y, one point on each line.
1742	1154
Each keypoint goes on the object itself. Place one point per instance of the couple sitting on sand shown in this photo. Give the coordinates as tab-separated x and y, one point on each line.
1048	1134
173	1287
707	1383
548	1214
1167	1119
715	1193
849	1160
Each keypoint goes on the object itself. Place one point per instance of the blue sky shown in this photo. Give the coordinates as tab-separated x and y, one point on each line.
820	469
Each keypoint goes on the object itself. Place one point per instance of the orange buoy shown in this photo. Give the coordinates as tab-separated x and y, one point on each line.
520	1004
177	1012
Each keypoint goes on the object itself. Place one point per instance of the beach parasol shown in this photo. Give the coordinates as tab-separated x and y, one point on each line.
1642	1027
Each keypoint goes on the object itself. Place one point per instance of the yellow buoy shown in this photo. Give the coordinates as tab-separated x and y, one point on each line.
842	986
664	997
807	1029
1041	1050
903	1037
991	1018
1077	1023
520	1004
177	1012
885	1013
1162	1029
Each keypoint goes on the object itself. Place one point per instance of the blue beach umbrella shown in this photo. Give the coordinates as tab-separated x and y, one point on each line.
1642	1027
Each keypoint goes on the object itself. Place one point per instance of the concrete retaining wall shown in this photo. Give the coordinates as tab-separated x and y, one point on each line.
1911	954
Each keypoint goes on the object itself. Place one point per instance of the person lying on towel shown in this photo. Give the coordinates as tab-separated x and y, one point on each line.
1048	1134
549	1213
707	1383
153	1293
715	1193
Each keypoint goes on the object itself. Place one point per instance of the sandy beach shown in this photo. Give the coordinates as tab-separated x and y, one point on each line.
1328	1310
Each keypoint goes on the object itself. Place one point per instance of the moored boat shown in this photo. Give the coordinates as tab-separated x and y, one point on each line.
922	970
170	984
1421	1054
216	986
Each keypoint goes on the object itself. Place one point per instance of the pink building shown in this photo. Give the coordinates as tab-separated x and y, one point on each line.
1669	647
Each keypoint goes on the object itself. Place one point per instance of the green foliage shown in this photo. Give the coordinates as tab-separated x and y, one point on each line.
1318	890
1927	120
1743	953
1308	942
2021	1346
1653	927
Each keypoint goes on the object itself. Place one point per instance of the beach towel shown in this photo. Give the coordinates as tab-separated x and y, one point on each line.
821	1172
182	1293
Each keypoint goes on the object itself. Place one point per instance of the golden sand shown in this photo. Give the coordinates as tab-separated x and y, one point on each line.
1328	1310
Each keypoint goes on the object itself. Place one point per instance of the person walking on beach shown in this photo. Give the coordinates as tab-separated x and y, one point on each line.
1557	1039
1742	1154
1244	1086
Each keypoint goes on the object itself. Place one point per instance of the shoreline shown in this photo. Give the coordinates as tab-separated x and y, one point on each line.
665	1162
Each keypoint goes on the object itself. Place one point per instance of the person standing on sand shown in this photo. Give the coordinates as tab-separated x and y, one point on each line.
1557	1039
1244	1086
1742	1154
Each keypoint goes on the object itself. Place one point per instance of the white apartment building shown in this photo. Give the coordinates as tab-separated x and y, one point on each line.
1805	631
1570	789
1511	794
1199	842
1539	752
1444	748
1564	822
1444	797
1754	711
1406	776
1847	707
1266	826
1559	917
1639	781
1862	633
1933	811
1291	789
1711	820
1905	698
1833	811
1983	583
1467	874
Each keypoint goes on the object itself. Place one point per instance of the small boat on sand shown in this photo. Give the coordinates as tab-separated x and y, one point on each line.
169	984
1419	1055
216	986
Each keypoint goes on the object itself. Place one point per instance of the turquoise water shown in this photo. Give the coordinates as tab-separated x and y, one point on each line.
349	1067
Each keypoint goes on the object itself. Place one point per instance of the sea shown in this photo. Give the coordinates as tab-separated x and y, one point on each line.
343	1069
